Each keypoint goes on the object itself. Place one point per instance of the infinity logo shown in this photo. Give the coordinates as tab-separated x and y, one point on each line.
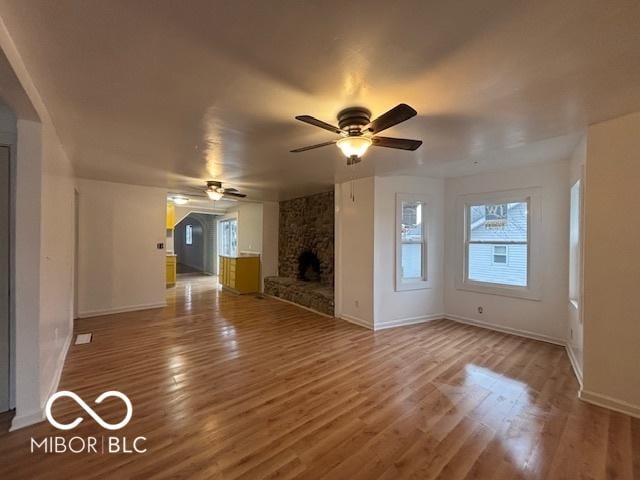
89	410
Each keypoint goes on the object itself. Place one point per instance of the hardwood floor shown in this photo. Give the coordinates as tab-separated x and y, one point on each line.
224	386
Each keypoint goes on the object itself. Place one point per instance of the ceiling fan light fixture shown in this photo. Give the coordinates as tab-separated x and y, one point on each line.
354	146
179	200
213	195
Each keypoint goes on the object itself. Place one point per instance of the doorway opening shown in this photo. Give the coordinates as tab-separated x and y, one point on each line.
5	278
195	244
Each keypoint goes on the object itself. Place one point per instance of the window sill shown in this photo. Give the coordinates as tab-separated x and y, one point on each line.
408	286
503	291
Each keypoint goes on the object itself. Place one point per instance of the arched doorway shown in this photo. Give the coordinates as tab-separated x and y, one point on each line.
189	245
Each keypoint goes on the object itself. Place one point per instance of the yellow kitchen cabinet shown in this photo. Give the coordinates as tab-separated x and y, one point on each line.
171	216
171	270
240	274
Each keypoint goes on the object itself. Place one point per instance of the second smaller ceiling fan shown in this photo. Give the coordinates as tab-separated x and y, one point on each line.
359	132
215	191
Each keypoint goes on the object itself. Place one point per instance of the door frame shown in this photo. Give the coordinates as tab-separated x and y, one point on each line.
11	274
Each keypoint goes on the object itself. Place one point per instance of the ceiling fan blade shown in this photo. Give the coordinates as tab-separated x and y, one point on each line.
230	189
401	143
233	194
311	147
318	123
396	115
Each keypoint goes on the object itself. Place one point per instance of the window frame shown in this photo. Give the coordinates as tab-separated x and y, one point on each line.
423	282
532	196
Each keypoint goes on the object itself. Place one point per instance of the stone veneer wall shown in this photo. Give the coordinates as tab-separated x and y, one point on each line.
307	223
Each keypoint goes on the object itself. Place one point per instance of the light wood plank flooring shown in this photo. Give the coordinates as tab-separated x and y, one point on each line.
229	387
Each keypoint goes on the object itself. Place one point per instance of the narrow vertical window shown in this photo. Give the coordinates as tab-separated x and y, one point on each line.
188	235
574	245
411	252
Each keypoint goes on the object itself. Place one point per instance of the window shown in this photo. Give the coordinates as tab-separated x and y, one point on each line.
499	240
228	233
188	235
574	245
494	232
500	255
411	240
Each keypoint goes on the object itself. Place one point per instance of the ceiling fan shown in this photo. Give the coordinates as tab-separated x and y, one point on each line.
215	191
359	132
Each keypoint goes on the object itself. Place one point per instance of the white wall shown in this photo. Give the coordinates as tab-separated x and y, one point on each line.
27	273
354	251
44	251
56	260
546	318
575	322
249	227
404	307
120	268
612	265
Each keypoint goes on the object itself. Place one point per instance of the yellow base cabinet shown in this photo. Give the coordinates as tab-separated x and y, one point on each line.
240	274
171	270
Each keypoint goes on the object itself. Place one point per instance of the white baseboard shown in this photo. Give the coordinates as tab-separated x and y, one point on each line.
356	321
574	364
111	311
26	420
408	321
610	403
38	415
512	331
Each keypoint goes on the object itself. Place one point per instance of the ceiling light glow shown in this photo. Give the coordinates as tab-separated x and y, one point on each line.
355	146
213	195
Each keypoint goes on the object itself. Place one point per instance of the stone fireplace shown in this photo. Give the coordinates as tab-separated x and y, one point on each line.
306	253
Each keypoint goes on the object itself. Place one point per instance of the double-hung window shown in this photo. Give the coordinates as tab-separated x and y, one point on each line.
498	241
411	242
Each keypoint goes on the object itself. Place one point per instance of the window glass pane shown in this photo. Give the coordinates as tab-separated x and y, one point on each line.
412	222
412	240
498	222
229	237
189	235
411	260
485	266
574	243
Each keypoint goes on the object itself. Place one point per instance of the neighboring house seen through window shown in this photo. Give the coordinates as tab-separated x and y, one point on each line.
497	243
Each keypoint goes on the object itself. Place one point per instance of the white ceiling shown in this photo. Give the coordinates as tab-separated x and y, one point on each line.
173	93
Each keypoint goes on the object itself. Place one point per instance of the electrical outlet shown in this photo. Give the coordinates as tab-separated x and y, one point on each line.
480	310
571	333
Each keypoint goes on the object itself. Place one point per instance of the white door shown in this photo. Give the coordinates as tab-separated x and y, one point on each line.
5	193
